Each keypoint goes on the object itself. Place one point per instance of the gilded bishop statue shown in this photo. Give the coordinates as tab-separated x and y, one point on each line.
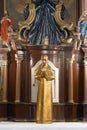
44	74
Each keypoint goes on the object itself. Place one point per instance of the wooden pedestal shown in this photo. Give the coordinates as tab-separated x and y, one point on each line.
3	111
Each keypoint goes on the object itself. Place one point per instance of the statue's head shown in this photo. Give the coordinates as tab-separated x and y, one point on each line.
44	59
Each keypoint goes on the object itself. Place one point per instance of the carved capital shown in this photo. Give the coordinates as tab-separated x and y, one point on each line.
18	61
85	62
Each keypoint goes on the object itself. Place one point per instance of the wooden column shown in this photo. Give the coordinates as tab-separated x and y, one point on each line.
5	82
4	76
4	73
70	80
18	78
84	86
85	81
85	75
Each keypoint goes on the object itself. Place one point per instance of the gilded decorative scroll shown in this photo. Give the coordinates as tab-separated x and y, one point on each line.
27	22
57	16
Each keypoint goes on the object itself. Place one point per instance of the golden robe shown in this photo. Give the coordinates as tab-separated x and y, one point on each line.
44	75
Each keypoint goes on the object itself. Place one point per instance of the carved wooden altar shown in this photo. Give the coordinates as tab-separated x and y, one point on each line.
17	97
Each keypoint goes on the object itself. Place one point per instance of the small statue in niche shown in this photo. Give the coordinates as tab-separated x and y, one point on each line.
7	32
82	23
44	74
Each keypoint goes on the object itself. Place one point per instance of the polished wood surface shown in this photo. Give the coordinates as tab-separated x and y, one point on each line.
19	83
31	55
15	101
4	63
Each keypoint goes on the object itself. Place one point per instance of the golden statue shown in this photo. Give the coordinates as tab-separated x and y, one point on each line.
44	74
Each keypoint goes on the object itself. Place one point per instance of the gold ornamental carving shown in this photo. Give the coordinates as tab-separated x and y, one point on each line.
57	16
26	24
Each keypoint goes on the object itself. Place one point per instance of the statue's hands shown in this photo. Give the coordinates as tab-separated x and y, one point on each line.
43	74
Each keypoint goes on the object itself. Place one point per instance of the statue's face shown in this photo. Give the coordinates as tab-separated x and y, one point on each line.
44	59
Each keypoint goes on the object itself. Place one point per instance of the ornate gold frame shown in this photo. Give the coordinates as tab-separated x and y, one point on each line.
75	8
